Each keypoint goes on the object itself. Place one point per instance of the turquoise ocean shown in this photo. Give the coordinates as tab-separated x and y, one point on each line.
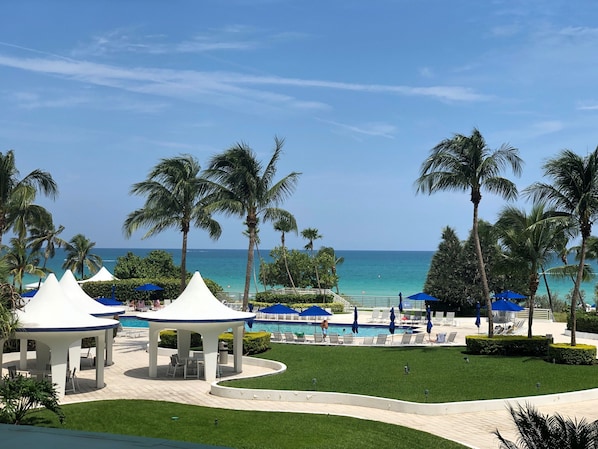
371	278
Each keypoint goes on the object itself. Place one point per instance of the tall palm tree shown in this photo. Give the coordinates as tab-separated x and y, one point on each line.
312	234
466	164
531	239
574	191
285	225
46	237
246	188
175	198
17	195
336	262
79	256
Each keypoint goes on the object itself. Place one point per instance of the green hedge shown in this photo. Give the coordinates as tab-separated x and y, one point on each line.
508	345
253	342
572	355
335	307
271	297
586	322
125	289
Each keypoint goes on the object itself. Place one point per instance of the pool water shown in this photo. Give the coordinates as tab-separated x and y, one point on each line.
308	328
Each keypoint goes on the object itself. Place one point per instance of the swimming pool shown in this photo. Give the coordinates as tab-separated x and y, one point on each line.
307	328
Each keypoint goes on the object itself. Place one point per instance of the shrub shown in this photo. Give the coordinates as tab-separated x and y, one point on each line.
335	307
586	322
22	394
272	297
572	355
253	342
508	345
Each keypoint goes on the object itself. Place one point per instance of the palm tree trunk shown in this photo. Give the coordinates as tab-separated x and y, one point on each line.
482	267
183	283
286	265
576	295
547	288
534	281
249	267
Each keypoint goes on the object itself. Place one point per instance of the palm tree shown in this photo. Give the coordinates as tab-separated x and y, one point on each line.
538	431
574	191
17	195
79	256
311	234
245	188
285	225
531	239
175	198
20	261
48	236
465	163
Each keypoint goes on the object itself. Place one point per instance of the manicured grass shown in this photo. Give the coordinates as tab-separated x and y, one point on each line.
443	371
239	429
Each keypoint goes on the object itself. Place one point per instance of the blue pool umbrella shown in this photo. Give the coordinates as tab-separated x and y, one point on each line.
249	323
477	316
506	306
250	306
355	327
109	301
400	302
429	325
278	309
391	326
508	294
148	288
314	311
421	296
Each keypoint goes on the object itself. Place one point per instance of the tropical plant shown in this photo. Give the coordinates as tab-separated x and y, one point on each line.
46	237
336	262
466	164
17	196
285	225
157	264
20	261
574	191
245	188
21	395
531	239
79	256
312	234
175	198
538	431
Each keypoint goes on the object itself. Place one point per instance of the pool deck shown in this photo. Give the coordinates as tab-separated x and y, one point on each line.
128	378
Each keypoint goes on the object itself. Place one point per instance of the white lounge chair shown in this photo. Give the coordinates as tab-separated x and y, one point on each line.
451	337
381	339
375	314
318	338
438	318
406	338
276	336
348	339
368	340
419	338
449	319
289	337
384	315
333	338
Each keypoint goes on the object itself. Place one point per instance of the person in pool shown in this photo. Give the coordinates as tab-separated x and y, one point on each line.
324	327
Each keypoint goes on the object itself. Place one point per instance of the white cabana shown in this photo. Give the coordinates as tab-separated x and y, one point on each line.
55	324
86	303
197	310
102	275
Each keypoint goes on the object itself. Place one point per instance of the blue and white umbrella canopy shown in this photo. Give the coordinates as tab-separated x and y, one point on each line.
314	311
509	294
421	296
278	309
503	305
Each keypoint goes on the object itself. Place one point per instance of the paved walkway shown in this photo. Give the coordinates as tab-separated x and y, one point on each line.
128	379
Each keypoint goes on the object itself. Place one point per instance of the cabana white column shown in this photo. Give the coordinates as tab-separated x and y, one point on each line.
210	353
238	347
183	342
100	348
154	334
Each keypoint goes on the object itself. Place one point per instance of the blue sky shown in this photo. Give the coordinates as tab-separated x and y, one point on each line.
98	92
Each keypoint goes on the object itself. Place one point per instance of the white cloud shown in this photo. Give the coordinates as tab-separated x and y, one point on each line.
371	129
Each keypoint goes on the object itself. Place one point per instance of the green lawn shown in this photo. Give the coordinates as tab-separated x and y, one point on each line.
443	371
239	429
